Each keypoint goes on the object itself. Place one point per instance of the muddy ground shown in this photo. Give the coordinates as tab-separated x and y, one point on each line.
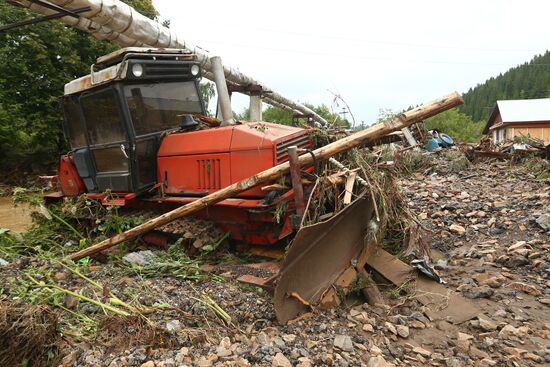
488	226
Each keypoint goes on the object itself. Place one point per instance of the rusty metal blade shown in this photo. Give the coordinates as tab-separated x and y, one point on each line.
318	255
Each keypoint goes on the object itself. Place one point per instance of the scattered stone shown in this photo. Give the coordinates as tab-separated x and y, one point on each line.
487	325
148	364
516	261
403	331
343	342
141	258
60	276
222	352
423	352
477	353
525	288
457	229
390	327
544	221
509	331
368	328
204	362
464	336
289	338
495	282
488	362
483	291
415	324
304	362
375	350
377	361
173	326
3	262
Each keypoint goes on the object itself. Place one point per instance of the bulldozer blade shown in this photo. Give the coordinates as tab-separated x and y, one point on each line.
319	254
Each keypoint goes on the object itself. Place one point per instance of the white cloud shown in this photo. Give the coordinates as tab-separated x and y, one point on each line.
376	54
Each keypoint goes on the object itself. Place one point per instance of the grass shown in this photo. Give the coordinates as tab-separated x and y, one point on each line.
410	161
459	161
64	228
174	263
538	167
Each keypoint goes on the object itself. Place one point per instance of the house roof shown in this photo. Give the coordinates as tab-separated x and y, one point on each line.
520	110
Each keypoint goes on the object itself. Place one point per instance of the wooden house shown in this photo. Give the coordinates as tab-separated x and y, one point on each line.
522	117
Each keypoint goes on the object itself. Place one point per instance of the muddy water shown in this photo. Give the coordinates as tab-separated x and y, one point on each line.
15	218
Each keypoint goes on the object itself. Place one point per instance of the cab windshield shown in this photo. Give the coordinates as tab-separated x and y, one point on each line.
157	107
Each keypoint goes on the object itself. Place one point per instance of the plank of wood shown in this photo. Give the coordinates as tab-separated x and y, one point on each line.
442	302
349	187
357	139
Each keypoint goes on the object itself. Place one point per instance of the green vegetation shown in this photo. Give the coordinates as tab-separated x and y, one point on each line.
529	80
35	63
459	161
536	166
281	116
59	230
457	125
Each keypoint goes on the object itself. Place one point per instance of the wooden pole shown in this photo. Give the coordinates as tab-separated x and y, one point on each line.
396	123
296	179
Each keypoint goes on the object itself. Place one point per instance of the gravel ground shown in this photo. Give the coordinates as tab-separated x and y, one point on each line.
486	225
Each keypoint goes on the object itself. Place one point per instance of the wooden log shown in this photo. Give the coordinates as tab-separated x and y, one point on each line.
372	294
398	122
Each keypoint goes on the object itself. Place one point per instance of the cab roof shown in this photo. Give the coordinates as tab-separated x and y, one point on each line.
117	56
113	67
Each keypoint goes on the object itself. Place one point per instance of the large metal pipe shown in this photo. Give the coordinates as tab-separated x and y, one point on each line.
116	21
224	103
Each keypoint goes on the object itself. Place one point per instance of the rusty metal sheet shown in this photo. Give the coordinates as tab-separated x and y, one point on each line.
319	254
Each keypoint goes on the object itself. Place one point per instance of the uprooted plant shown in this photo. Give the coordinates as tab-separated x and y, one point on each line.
28	334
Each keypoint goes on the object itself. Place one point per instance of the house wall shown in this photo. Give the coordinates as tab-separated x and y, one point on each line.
537	131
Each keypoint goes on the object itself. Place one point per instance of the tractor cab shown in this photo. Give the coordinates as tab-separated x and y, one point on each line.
116	115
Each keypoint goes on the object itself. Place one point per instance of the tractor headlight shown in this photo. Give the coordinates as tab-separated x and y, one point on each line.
137	70
195	70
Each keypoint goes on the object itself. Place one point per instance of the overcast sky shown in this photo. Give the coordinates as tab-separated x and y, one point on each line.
376	54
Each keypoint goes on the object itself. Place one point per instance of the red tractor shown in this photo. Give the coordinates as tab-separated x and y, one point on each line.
136	127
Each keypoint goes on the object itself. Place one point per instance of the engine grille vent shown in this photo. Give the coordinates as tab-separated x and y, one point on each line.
209	174
302	141
168	71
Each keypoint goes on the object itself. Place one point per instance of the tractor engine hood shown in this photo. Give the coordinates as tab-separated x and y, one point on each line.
201	162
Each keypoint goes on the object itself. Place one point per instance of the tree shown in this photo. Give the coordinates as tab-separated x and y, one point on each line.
530	80
35	63
282	116
456	124
208	91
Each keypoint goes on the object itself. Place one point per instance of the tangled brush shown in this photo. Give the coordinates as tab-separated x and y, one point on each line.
120	333
28	335
396	228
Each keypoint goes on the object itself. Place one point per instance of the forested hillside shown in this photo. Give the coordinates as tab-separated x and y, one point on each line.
530	80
